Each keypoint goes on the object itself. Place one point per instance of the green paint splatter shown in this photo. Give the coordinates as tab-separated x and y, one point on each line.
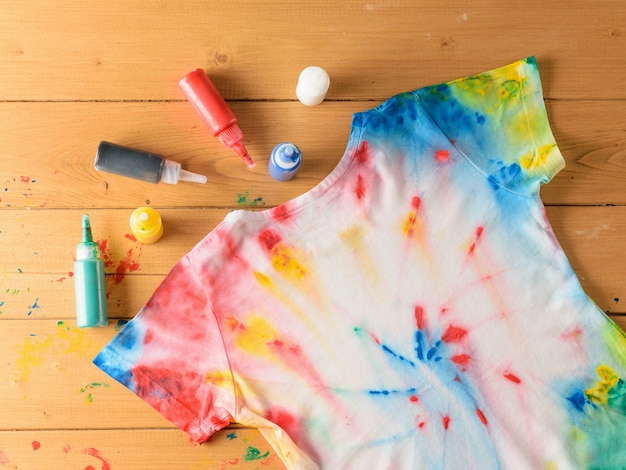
252	453
87	388
245	200
232	435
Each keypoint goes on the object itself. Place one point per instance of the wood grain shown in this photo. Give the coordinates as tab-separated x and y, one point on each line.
136	50
74	73
56	170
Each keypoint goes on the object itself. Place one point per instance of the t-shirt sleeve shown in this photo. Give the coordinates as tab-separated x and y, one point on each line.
498	120
173	357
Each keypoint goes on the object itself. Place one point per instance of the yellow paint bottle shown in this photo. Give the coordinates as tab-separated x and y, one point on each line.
146	225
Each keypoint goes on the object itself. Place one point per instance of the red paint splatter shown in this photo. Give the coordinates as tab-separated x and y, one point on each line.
126	265
103	246
25	179
461	359
416	202
70	274
4	460
359	189
36	445
419	317
453	334
98	455
512	377
442	156
131	237
413	399
481	416
421	424
446	422
269	239
67	448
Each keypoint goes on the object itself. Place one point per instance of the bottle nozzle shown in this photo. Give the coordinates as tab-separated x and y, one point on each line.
87	238
243	153
173	173
192	177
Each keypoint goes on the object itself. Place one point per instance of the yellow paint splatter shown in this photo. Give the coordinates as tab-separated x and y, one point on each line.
74	340
31	354
66	340
608	379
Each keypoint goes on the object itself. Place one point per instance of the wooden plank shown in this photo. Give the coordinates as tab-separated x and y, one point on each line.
38	246
51	296
232	448
56	168
134	50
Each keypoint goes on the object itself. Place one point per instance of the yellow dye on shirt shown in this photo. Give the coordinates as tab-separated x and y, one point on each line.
537	158
353	237
284	261
265	281
608	379
219	378
410	224
254	335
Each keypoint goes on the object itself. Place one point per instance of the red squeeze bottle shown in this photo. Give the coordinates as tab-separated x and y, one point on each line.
214	112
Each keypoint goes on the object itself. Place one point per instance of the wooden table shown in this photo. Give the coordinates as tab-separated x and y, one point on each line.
73	73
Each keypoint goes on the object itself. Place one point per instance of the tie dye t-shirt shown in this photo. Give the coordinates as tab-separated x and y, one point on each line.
413	310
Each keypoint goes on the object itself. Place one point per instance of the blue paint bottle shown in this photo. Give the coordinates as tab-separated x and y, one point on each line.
284	161
91	307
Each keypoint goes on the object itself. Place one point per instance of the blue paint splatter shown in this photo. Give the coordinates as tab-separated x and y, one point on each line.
231	435
34	307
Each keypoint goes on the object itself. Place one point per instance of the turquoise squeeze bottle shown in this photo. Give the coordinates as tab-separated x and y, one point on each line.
91	306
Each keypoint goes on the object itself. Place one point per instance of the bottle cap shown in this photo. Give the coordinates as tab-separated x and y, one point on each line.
146	225
312	85
284	161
